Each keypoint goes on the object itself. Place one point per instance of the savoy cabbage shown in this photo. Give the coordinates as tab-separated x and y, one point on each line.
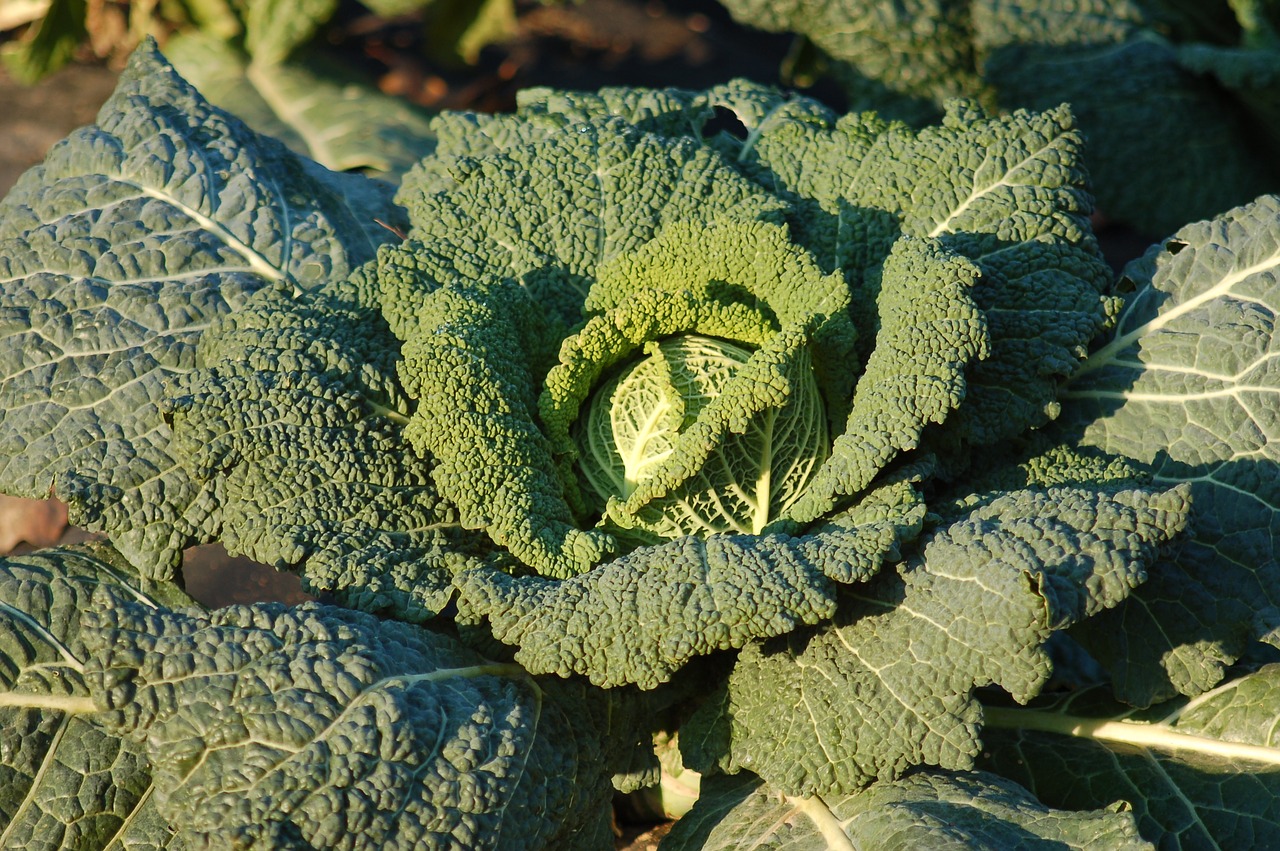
828	446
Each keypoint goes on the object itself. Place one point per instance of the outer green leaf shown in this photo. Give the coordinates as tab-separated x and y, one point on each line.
667	112
469	374
1203	773
114	256
571	200
1189	384
1007	193
315	107
296	419
64	782
274	28
319	727
918	52
1120	77
640	618
1114	62
888	685
930	331
935	810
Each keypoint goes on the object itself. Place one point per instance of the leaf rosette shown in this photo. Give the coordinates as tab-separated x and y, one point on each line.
632	391
663	370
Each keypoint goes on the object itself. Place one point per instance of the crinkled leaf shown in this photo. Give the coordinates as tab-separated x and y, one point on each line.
317	108
114	255
295	418
1203	773
754	264
930	331
543	112
1189	384
65	783
570	204
1007	193
640	618
1110	62
668	112
1114	62
320	727
468	373
571	201
1039	460
906	57
888	686
935	810
850	543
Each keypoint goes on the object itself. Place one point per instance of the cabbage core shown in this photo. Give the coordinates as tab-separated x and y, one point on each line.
632	424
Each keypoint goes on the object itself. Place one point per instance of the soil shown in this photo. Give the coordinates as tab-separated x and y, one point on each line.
32	118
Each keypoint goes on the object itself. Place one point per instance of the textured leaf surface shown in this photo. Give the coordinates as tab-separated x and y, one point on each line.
1119	75
295	418
1009	194
323	727
468	374
310	105
65	783
905	57
571	201
889	684
1203	773
640	618
935	810
570	204
114	256
930	331
1119	64
1190	384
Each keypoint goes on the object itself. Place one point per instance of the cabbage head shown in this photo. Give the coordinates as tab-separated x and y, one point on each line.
633	422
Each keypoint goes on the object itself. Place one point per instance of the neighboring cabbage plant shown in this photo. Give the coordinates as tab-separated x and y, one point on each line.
1152	82
804	442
